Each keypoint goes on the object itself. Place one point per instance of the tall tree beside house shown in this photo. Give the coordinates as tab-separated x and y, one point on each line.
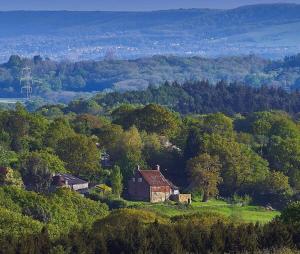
204	171
116	180
128	152
35	173
54	163
81	156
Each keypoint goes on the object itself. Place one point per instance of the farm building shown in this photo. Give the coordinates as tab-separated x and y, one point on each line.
69	181
151	186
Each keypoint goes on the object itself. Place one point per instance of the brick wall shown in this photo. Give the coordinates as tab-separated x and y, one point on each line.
138	190
159	194
182	198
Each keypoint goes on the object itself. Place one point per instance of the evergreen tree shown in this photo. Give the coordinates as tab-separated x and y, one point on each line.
116	181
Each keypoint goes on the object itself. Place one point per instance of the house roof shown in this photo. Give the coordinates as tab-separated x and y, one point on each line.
172	185
61	179
154	178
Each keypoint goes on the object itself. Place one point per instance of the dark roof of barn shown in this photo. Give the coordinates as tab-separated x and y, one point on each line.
61	179
154	178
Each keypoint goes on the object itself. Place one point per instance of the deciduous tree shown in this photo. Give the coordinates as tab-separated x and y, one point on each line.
204	172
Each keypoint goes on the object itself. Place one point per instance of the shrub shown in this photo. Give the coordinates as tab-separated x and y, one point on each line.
241	200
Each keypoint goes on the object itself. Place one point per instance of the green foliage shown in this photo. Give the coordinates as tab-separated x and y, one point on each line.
60	211
128	152
54	164
241	166
36	172
59	129
84	106
241	200
87	124
291	214
204	171
80	155
7	157
202	97
278	183
11	178
17	225
116	180
151	118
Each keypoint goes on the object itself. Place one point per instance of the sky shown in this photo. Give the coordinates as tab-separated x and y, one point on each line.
125	5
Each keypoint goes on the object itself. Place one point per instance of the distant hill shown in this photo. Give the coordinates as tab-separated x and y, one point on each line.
123	75
64	78
269	30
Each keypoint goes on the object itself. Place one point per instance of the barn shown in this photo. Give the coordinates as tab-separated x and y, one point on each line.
151	186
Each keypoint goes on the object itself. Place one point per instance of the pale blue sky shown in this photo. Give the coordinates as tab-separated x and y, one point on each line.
121	5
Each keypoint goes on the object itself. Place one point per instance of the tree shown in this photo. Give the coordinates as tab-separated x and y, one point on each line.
11	177
278	183
241	166
116	179
7	157
291	214
81	155
109	137
86	124
204	172
16	123
218	124
152	118
36	173
59	129
84	106
284	154
54	163
128	153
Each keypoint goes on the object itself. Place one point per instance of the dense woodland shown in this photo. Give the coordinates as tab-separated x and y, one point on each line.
203	97
253	157
122	75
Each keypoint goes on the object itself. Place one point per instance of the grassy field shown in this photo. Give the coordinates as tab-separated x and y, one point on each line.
239	213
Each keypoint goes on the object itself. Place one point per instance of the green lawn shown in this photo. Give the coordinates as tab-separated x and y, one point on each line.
245	213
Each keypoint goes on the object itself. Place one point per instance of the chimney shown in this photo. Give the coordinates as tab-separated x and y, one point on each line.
157	167
138	167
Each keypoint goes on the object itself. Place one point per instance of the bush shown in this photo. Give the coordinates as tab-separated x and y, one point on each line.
291	214
37	212
111	201
240	200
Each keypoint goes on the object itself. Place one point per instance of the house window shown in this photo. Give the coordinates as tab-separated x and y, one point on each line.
133	179
140	180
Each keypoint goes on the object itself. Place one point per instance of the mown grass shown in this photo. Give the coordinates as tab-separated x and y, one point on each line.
237	213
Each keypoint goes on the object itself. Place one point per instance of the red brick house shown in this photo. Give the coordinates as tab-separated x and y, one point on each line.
151	186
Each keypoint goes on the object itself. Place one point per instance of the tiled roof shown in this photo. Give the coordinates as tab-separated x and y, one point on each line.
174	187
154	178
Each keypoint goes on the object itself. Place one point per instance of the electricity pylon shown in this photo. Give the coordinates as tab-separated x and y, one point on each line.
26	82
